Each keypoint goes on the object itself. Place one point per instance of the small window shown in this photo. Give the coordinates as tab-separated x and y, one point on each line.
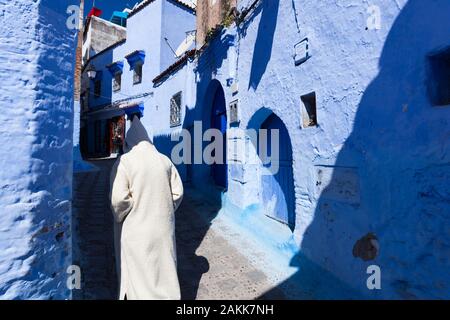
175	110
438	78
117	81
97	88
234	113
309	113
137	75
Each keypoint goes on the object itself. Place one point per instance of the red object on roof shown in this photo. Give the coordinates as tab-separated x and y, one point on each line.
95	12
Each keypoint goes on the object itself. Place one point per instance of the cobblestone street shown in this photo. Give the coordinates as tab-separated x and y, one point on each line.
209	267
93	238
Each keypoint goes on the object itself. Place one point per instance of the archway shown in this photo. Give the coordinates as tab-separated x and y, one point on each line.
219	171
278	187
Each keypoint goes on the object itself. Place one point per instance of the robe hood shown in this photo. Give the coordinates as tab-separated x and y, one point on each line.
135	135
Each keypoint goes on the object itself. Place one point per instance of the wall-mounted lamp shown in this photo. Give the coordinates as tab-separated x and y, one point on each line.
91	72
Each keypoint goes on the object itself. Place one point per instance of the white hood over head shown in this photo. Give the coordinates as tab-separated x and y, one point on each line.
136	134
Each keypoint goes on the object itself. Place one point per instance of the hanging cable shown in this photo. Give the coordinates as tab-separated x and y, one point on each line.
295	15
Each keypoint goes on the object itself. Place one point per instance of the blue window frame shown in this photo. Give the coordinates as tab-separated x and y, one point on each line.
136	60
116	70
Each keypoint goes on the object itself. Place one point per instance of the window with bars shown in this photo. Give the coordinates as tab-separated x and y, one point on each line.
117	81
137	75
175	110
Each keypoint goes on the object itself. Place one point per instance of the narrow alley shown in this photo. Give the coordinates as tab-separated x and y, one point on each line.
312	139
209	266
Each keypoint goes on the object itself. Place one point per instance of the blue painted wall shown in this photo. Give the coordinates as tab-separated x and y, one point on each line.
36	71
143	33
177	20
379	159
105	97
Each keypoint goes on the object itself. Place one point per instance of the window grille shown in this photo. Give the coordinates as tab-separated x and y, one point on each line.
117	81
175	110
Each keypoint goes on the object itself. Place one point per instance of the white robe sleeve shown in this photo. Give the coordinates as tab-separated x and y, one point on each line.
177	187
121	198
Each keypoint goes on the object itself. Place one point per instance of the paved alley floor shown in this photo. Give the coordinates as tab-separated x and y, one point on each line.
93	237
210	266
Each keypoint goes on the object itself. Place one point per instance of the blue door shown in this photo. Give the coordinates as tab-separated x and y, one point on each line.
278	188
219	121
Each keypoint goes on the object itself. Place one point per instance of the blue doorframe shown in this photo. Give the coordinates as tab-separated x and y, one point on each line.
219	121
278	189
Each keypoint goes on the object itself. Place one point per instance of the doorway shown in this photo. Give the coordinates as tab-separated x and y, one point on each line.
219	171
278	188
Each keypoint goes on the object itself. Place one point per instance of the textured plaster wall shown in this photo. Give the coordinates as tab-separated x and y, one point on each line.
379	159
36	72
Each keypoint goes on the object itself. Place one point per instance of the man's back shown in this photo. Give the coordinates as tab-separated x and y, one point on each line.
145	192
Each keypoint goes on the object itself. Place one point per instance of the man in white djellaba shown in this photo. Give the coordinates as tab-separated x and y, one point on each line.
146	190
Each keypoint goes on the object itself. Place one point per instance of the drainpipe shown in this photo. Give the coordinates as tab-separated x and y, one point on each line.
79	54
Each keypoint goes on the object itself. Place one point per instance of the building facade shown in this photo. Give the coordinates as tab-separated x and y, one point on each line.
360	109
126	69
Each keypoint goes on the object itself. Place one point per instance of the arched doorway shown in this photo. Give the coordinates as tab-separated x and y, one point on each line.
278	188
219	121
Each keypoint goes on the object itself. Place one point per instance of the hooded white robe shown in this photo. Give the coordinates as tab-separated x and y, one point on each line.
146	190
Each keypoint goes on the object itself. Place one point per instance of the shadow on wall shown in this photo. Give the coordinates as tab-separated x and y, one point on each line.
394	172
191	227
191	266
264	40
209	62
